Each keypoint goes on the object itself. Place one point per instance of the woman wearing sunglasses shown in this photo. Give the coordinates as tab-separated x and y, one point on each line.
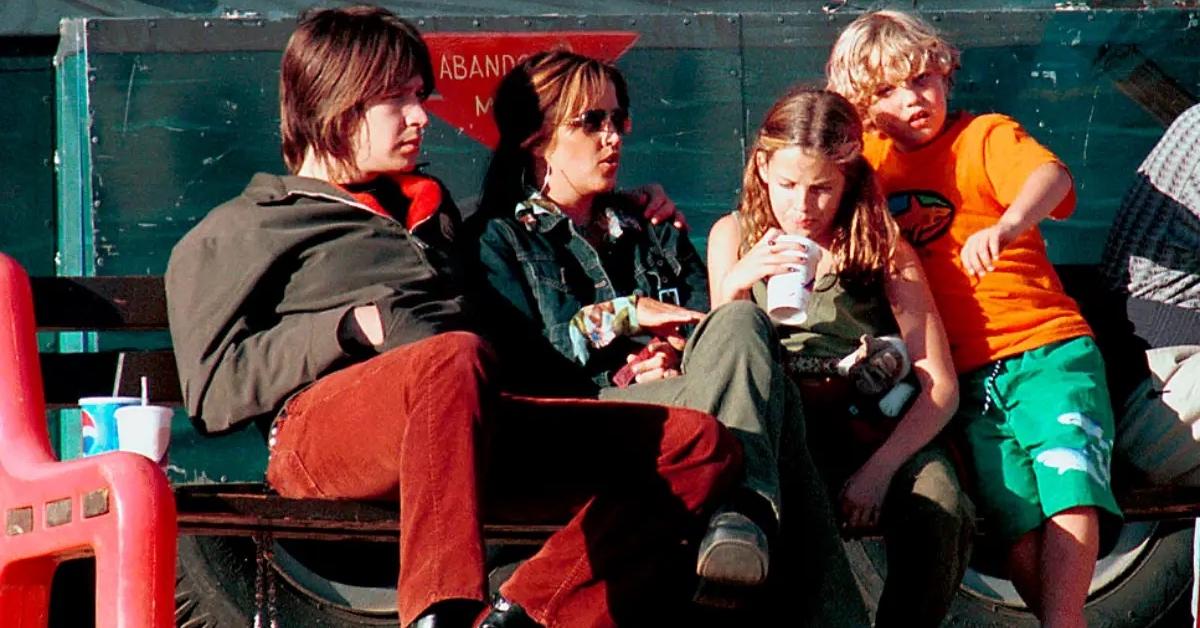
571	264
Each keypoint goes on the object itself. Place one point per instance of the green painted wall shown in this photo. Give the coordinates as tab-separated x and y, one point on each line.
27	135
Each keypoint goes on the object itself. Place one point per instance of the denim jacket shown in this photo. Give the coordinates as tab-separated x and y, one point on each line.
537	262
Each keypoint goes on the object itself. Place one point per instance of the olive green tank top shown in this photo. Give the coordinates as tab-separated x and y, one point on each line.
836	319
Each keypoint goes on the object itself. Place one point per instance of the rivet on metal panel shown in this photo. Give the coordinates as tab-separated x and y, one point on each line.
733	73
779	19
937	18
731	20
687	20
527	22
96	204
58	512
152	24
207	24
633	21
91	78
421	22
18	521
95	503
581	22
1091	17
475	23
95	140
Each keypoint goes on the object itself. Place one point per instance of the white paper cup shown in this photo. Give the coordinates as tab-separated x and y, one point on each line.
788	293
145	430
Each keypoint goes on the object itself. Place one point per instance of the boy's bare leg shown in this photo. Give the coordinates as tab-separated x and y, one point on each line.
1070	544
1024	566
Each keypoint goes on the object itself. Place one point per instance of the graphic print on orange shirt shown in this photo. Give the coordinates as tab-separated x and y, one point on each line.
923	215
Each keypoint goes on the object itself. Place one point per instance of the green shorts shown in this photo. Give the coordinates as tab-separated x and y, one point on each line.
1040	429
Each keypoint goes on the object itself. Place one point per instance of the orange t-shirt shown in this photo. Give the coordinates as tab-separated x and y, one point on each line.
956	185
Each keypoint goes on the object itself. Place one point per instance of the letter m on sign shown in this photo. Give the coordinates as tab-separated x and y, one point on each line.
467	67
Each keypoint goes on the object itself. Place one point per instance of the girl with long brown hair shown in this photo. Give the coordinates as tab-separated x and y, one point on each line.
806	176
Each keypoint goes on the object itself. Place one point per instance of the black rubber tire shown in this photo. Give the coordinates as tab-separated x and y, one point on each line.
1153	592
216	588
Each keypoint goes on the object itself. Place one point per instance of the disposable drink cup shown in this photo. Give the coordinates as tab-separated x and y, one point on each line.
145	430
98	422
788	293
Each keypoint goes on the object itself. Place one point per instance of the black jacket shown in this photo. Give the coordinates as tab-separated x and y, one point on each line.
257	290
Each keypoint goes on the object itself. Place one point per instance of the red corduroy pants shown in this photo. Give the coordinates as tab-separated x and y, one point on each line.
422	424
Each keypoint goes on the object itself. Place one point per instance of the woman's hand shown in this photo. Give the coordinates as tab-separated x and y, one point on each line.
861	500
659	360
769	256
663	320
657	206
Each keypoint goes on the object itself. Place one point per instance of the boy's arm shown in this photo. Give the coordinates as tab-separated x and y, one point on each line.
1042	191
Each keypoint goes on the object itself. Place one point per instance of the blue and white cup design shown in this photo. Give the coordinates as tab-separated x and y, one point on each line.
98	422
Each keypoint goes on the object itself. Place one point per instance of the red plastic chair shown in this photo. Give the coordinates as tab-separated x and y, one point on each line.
117	506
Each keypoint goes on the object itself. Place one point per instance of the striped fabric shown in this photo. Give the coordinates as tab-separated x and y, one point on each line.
1153	249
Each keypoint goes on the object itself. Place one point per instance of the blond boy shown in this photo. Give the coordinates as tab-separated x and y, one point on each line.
968	192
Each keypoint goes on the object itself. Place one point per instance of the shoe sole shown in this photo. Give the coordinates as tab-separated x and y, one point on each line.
733	563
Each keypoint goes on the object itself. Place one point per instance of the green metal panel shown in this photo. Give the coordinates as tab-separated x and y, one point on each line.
174	132
74	156
42	16
27	132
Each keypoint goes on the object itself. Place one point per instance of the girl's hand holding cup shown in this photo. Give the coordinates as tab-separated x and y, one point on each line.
774	253
788	292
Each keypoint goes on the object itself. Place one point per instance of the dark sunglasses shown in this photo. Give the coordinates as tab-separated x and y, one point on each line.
592	120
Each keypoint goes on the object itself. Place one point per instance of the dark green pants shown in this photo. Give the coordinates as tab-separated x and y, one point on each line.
731	369
928	524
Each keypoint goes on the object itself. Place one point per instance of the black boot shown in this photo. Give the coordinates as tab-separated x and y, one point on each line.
507	614
449	614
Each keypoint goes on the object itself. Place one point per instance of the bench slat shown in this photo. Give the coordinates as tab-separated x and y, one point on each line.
69	376
1160	502
244	509
132	303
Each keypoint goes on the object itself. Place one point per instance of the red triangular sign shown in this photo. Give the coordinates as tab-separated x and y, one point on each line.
467	67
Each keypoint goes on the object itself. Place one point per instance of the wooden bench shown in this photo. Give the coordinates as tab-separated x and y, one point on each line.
138	304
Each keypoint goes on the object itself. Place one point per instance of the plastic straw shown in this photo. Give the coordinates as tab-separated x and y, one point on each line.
117	379
145	392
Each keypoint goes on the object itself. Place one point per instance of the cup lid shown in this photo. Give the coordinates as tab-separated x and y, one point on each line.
87	401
